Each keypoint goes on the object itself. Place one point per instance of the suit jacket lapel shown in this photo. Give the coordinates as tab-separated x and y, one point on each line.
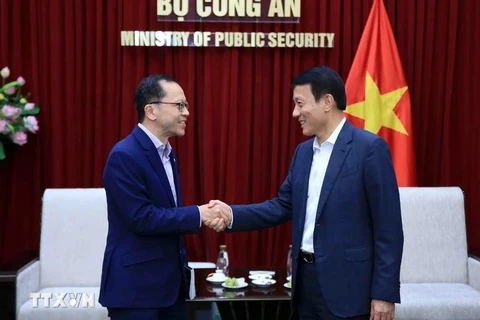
155	161
157	165
304	177
176	178
339	154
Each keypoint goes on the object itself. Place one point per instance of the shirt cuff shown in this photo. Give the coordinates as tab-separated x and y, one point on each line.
200	215
231	215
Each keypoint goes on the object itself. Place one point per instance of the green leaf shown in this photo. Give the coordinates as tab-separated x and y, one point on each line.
35	110
2	151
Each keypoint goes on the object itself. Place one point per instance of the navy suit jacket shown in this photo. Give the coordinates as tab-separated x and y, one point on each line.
145	254
358	237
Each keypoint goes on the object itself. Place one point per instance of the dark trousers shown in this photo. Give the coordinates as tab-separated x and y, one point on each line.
174	312
310	303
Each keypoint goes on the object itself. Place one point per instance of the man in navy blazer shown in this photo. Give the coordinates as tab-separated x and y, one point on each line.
145	272
342	197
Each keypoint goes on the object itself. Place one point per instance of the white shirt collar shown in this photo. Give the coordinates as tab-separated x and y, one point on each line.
164	150
333	137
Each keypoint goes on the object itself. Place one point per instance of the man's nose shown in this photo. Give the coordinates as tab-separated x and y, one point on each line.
295	112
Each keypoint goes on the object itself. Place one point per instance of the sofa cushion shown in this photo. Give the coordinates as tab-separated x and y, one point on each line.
79	311
73	235
439	301
435	247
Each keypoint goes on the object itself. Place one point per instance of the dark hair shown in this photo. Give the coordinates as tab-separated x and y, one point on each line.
323	80
149	90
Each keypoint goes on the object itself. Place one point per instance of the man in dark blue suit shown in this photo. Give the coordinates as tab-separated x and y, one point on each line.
342	197
145	270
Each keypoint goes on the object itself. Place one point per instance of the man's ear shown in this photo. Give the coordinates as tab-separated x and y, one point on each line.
149	113
329	102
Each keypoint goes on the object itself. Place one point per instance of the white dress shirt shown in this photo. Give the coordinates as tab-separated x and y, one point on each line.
321	157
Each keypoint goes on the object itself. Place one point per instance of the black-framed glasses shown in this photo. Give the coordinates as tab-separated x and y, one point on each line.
182	105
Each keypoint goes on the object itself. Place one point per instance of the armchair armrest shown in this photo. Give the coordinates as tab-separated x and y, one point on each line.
28	281
474	272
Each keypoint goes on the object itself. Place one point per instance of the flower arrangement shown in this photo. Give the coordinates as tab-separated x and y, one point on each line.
16	112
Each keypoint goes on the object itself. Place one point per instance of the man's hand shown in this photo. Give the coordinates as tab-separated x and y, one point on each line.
217	217
382	310
218	224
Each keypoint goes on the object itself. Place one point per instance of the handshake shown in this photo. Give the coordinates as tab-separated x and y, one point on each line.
216	215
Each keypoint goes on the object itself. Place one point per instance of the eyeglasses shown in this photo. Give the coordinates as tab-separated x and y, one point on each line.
182	105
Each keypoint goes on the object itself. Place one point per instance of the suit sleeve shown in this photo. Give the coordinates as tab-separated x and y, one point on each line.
126	190
384	201
266	214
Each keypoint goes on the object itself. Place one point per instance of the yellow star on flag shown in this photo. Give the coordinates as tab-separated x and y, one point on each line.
377	109
377	67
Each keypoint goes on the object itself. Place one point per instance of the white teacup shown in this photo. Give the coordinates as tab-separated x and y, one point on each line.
217	276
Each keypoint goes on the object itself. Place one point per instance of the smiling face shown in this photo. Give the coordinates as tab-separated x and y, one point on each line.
168	119
312	115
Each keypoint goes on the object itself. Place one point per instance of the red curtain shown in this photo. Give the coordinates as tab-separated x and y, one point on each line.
240	134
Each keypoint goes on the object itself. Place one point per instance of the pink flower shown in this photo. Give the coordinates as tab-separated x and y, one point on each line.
3	126
11	112
29	106
19	138
31	124
10	90
21	81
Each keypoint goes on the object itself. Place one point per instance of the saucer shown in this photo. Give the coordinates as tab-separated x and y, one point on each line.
264	282
259	276
215	281
243	285
287	285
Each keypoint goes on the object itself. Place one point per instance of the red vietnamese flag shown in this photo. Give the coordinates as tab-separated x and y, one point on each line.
378	98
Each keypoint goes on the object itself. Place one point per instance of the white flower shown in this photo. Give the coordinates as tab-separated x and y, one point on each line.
31	124
5	72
